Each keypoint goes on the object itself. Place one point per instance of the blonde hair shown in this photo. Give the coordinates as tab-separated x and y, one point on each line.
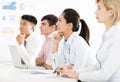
115	6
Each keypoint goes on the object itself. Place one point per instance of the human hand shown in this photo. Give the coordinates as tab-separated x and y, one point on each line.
69	73
69	66
57	38
57	70
20	38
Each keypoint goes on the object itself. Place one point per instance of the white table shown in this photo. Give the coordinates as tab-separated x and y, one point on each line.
8	73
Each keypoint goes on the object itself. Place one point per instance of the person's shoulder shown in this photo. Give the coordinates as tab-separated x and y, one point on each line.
80	38
34	37
118	26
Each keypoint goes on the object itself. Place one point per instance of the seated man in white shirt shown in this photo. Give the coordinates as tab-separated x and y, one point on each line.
28	42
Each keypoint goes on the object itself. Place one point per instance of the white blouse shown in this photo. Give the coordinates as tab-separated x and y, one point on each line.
75	51
109	59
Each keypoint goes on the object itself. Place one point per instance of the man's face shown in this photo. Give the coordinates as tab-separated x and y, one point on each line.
45	28
26	27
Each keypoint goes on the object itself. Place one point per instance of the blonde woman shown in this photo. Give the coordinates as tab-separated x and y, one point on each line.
108	55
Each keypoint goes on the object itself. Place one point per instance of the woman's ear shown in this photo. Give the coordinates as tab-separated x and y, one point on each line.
111	12
70	25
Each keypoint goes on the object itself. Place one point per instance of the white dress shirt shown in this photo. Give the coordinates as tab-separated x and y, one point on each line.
109	59
75	51
29	53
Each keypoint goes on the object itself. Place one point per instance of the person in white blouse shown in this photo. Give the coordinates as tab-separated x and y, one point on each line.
75	52
108	55
28	42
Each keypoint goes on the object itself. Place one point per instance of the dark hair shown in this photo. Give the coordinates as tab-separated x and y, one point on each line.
52	19
85	33
73	17
30	18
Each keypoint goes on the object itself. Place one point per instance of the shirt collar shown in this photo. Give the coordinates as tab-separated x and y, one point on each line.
71	38
50	36
29	37
108	33
118	26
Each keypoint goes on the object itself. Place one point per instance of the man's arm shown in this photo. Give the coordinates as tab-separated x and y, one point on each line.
47	66
39	62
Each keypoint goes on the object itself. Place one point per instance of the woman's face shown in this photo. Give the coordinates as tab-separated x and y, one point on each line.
102	14
61	24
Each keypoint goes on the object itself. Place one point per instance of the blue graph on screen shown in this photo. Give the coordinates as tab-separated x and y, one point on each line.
9	6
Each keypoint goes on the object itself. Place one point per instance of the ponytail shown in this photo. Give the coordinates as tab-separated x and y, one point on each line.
85	33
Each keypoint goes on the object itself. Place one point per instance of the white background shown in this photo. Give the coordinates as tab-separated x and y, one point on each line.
39	8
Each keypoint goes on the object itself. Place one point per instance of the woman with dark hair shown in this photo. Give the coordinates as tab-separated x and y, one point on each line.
108	55
75	52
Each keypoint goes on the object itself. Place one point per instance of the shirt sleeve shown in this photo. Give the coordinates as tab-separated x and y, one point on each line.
29	53
57	60
41	53
24	54
49	57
